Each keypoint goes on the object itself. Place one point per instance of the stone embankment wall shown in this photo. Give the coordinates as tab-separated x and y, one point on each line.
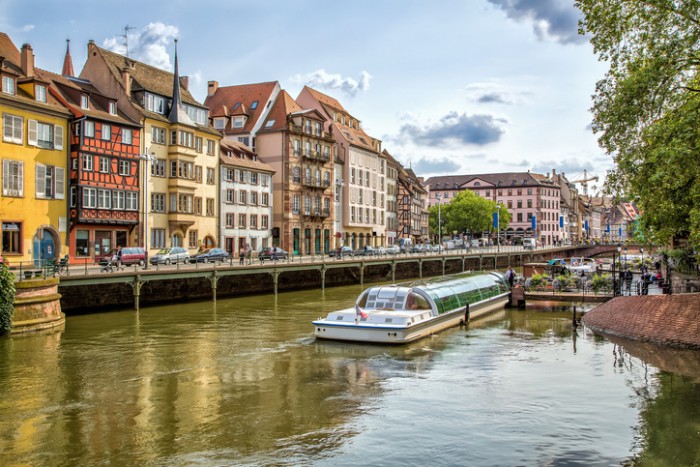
672	320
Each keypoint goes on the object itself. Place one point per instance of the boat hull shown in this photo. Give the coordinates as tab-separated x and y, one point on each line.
386	334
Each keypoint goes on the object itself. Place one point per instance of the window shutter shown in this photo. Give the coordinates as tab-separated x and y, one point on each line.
6	177
60	183
6	128
57	137
32	132
40	181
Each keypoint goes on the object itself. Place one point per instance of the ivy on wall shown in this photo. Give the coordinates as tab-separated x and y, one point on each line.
7	298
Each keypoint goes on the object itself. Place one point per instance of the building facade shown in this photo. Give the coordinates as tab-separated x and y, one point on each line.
33	201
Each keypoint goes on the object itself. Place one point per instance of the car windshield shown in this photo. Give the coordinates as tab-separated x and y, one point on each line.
162	252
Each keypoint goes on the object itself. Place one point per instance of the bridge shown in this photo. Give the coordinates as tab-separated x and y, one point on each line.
157	285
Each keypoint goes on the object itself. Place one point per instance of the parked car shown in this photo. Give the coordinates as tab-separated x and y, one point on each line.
418	249
380	251
529	243
210	255
176	254
341	252
365	251
268	253
393	250
127	256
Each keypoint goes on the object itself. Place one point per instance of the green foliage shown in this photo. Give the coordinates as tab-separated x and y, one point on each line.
647	106
539	280
467	211
602	282
681	260
7	298
565	281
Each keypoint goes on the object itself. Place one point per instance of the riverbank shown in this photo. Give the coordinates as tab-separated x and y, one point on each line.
671	320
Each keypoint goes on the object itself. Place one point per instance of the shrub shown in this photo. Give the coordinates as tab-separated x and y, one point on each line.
7	298
539	280
602	282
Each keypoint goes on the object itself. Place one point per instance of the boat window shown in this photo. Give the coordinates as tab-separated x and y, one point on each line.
416	302
388	320
339	318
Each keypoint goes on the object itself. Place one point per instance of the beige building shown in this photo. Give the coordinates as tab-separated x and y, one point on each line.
293	141
180	150
364	172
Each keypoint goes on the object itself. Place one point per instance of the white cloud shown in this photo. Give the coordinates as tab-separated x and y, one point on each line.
320	79
497	93
555	20
151	44
27	28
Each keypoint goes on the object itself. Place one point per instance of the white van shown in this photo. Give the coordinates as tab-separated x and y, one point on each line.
529	243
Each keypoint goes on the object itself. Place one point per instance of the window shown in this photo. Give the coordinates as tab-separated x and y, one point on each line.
253	178
198	144
157	135
253	221
124	167
220	123
104	164
158	238
529	203
158	202
238	122
211	147
230	196
88	161
84	102
241	221
264	222
155	103
113	108
50	182
44	135
186	139
12	129
104	199
11	237
73	196
82	243
118	200
210	207
89	197
40	93
228	175
295	204
296	147
264	179
89	129
242	196
254	198
198	173
106	132
264	199
192	236
158	168
127	136
198	205
211	174
8	85
229	219
12	178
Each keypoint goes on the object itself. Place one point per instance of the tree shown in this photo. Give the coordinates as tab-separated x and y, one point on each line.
646	108
7	297
468	211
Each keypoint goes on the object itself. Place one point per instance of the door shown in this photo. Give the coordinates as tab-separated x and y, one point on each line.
103	243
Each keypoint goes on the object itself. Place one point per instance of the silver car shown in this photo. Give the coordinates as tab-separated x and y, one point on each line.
172	255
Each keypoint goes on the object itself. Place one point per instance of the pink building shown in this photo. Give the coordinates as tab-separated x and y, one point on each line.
524	194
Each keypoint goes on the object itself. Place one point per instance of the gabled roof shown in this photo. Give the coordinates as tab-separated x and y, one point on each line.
325	99
239	155
144	77
245	99
70	90
276	119
499	180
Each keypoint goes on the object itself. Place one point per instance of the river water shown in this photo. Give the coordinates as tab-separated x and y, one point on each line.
244	382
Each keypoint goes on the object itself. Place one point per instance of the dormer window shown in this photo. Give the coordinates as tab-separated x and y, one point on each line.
40	92
84	102
8	85
254	105
238	122
220	123
113	108
155	104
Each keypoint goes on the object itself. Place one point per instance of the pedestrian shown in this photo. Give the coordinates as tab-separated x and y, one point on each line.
510	276
241	256
248	252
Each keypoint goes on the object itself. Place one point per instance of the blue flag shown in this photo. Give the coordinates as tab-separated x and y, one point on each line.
495	220
561	222
533	222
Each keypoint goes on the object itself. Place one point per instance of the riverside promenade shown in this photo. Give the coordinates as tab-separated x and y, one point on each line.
670	320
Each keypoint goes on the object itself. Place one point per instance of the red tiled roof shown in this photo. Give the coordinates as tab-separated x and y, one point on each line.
239	155
228	100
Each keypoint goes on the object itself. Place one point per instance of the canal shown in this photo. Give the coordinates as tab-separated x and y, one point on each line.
244	382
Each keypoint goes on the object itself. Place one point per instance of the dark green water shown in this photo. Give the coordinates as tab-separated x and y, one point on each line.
245	383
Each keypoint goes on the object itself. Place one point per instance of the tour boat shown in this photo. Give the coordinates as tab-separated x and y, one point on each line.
401	313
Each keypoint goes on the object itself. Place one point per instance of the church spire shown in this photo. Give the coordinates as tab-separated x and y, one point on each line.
68	62
174	115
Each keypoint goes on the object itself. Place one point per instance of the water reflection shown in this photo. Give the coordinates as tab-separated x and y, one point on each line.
243	382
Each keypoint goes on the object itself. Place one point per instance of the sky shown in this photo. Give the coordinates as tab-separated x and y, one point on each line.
450	86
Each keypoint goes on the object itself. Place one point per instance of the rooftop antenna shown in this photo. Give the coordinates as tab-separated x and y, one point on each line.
127	28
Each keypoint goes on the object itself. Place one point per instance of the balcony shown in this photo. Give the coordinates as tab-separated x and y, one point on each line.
312	182
317	213
316	156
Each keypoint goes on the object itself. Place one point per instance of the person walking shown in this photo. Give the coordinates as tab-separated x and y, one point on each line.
510	276
241	256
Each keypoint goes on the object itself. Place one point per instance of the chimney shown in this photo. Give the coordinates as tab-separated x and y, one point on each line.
27	57
212	87
185	82
126	79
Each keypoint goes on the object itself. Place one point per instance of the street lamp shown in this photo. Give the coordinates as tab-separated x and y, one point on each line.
437	196
498	228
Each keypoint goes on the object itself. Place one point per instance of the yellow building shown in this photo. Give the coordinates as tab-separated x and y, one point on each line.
33	201
180	150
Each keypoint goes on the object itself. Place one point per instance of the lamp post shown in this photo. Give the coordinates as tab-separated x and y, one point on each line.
147	158
437	196
498	228
616	284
